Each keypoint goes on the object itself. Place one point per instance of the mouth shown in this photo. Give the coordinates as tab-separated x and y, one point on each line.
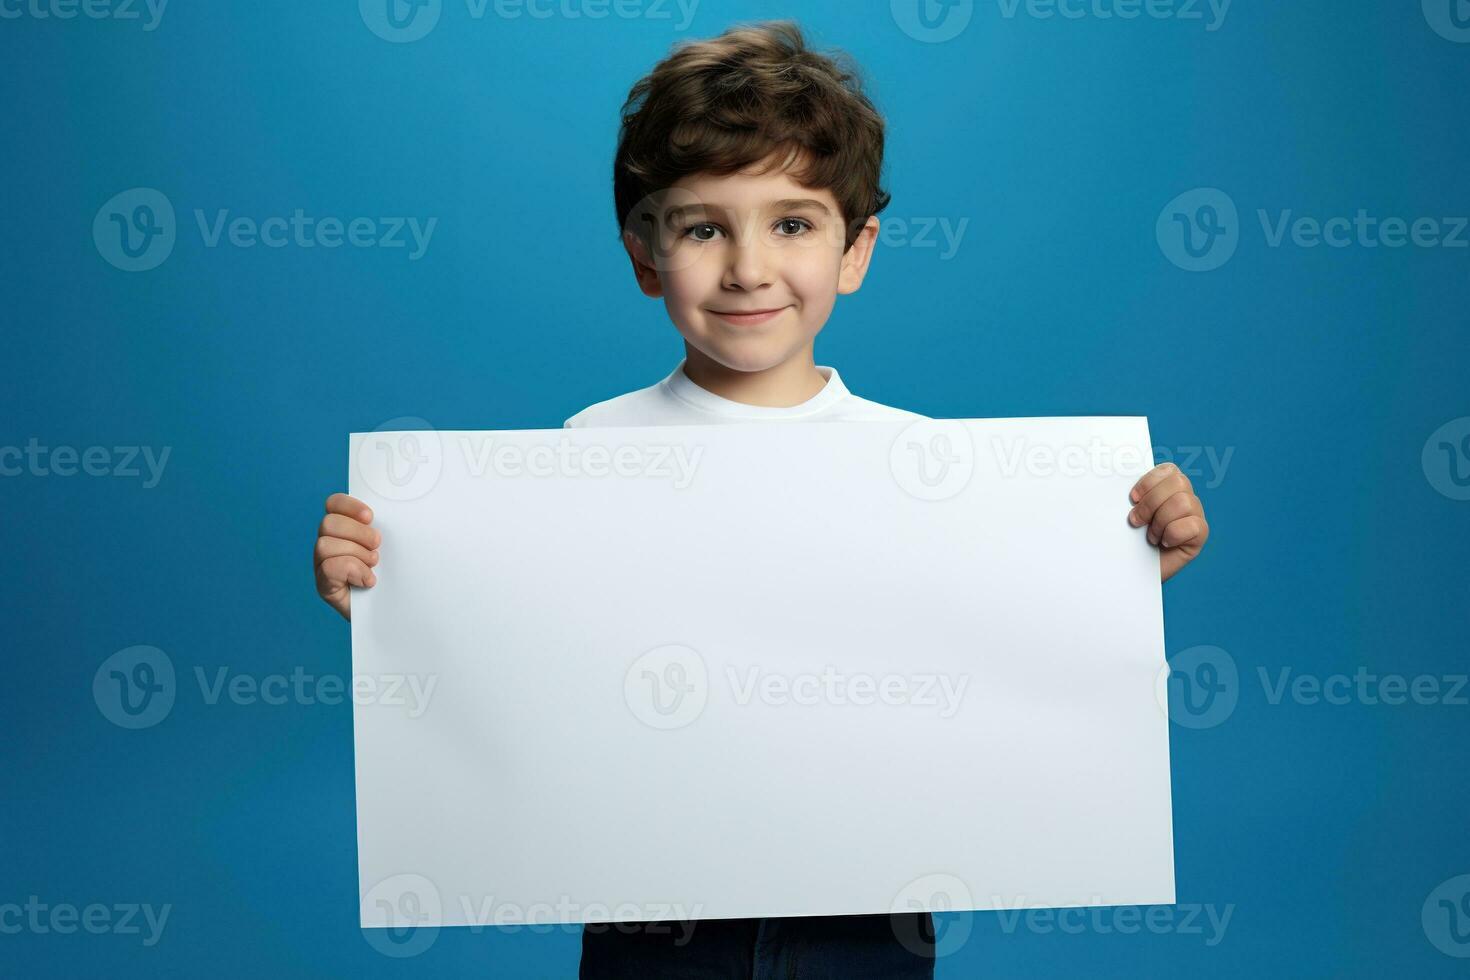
747	318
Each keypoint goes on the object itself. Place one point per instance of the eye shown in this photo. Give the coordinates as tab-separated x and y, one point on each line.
801	224
695	231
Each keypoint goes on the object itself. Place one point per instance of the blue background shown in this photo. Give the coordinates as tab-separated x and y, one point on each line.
1323	370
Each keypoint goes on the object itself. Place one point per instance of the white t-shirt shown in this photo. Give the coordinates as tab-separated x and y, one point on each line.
676	400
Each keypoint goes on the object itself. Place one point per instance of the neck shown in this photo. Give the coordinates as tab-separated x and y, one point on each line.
793	381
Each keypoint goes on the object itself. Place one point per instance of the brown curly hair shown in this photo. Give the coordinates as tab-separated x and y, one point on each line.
724	104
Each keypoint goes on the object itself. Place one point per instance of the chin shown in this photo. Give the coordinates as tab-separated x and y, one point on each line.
752	355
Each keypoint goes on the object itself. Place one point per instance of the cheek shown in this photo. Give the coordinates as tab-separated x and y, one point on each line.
690	283
812	275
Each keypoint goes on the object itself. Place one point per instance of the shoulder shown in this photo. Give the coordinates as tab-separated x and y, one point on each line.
855	409
619	410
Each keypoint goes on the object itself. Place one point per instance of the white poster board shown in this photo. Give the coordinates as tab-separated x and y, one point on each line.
765	669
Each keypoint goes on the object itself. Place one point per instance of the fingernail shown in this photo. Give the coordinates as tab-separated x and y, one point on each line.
1133	495
1134	518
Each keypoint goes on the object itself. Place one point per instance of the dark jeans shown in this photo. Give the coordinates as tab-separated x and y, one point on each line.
829	947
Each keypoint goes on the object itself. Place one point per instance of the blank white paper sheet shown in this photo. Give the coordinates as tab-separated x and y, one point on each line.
758	669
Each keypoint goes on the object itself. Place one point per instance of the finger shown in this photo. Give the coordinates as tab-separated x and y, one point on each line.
340	503
1168	486
338	526
1152	479
1190	530
333	573
1177	506
327	547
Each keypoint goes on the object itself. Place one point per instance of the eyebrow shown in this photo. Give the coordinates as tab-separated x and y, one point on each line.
785	204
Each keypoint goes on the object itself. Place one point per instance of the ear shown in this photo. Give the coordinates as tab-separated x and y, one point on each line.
855	260
643	270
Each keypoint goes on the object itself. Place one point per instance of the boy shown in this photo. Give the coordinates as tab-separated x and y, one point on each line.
747	186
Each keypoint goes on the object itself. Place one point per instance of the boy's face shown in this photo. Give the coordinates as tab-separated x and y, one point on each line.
715	247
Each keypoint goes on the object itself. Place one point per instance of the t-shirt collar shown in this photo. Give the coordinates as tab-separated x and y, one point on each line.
680	386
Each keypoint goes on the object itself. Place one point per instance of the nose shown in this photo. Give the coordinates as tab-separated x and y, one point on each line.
750	265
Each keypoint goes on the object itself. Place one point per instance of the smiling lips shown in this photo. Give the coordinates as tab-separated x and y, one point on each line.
747	318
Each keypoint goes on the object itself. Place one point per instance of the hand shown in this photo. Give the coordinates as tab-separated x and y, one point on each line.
346	551
1164	500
